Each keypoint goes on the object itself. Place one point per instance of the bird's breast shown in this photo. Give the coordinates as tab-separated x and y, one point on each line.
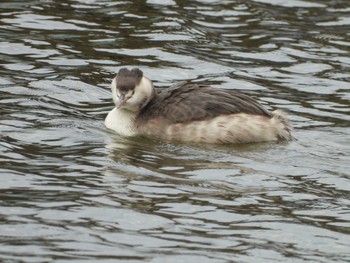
121	121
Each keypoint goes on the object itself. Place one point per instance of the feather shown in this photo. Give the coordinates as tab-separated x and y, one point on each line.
183	103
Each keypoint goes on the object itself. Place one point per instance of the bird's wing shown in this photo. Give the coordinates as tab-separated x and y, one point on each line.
190	102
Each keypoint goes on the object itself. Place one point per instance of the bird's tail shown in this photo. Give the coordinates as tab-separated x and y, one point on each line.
284	128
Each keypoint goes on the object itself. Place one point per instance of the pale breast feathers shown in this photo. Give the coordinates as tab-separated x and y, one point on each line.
187	102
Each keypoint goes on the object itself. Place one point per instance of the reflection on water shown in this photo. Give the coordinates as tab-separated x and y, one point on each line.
72	191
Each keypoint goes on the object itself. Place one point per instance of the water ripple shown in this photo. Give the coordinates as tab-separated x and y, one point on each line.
73	191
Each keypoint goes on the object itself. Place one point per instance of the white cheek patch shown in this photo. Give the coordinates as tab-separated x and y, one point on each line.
114	83
115	93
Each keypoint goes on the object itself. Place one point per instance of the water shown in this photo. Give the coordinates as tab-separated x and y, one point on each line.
73	192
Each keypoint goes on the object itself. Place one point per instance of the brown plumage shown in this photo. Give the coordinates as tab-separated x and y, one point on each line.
184	102
190	112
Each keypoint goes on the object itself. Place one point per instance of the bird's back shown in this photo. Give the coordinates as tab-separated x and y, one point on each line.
183	103
187	112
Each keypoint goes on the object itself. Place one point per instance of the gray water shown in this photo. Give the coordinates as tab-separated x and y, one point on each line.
71	191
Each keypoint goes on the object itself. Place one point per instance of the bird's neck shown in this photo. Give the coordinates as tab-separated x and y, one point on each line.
145	92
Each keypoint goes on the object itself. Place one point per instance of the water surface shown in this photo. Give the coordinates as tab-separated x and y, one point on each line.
71	191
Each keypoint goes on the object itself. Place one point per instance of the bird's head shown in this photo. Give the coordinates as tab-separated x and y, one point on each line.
131	90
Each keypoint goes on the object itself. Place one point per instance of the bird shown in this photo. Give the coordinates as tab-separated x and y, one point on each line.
187	112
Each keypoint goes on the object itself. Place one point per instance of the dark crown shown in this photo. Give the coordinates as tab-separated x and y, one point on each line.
128	79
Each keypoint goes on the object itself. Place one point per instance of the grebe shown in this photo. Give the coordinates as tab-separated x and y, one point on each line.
191	113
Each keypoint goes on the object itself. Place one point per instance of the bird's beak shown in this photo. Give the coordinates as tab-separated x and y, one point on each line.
122	101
